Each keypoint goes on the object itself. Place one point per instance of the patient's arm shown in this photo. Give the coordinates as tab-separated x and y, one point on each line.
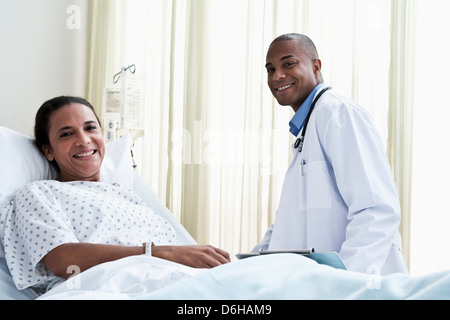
87	255
84	256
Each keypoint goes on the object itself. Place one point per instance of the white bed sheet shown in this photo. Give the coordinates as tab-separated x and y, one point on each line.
271	277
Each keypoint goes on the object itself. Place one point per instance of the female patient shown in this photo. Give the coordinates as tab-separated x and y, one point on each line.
78	220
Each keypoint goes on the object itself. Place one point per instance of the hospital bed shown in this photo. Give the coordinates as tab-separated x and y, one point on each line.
281	276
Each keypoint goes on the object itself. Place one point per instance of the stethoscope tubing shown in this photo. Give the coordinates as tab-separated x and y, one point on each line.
299	143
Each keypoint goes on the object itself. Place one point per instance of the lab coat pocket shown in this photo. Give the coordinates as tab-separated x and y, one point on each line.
315	186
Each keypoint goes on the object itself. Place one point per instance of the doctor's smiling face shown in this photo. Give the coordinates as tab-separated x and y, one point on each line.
294	70
75	143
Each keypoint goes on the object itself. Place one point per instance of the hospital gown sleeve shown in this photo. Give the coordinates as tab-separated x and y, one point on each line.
36	225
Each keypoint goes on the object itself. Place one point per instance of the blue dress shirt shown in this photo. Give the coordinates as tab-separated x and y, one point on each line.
299	118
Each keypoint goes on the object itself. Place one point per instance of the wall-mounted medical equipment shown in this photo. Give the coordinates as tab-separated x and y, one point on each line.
123	109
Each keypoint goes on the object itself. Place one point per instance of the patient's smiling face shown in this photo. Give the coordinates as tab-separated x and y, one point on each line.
76	143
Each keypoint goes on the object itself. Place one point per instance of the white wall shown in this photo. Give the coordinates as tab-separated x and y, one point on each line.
43	54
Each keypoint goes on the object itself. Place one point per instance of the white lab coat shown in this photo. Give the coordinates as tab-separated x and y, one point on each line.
339	194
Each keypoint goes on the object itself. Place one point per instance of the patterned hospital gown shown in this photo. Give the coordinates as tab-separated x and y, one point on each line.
47	214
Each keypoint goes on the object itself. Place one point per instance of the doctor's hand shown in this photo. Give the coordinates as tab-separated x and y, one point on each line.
197	256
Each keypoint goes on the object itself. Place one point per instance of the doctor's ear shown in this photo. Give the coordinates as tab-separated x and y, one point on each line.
48	153
317	66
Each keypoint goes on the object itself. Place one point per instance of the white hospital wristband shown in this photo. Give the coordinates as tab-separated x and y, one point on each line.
148	248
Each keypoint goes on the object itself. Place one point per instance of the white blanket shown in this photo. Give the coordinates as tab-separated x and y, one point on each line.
283	276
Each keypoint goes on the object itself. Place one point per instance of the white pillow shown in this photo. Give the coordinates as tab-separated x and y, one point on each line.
21	163
117	166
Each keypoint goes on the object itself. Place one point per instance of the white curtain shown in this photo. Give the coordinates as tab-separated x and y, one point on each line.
217	145
401	108
430	218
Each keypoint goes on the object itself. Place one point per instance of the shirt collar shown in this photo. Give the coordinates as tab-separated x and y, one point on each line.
299	118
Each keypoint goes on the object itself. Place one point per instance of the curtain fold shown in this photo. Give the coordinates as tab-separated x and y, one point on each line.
105	34
401	108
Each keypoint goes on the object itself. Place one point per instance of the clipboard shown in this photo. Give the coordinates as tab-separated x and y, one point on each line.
331	259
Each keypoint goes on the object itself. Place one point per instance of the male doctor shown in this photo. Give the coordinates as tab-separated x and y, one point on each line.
338	194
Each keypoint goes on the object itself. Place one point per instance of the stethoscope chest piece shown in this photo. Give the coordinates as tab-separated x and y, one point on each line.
299	144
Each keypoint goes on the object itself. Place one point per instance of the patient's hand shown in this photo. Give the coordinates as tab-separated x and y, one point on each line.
197	256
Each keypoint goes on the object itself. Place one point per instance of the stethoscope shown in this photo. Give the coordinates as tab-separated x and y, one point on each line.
299	143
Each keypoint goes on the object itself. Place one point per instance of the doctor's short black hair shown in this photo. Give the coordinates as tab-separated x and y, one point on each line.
42	120
304	40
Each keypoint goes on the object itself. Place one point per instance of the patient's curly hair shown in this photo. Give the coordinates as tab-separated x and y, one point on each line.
42	121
